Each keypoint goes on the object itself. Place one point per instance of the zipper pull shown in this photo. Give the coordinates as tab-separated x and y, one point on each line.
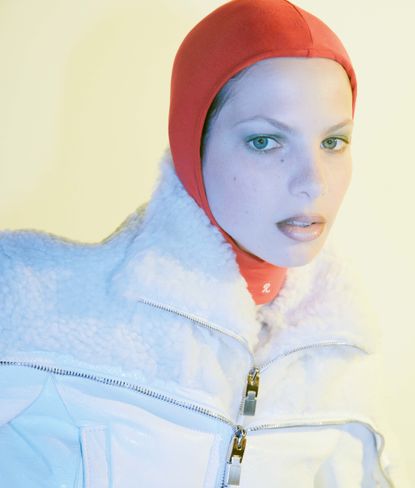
251	393
234	463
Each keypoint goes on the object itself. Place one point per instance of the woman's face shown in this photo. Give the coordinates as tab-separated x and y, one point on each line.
258	172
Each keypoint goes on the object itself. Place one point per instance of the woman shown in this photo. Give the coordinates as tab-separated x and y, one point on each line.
215	339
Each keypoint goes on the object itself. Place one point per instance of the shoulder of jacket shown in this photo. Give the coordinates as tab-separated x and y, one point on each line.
35	264
39	249
27	251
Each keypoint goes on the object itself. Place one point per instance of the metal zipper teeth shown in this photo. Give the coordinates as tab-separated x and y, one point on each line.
188	406
328	343
261	368
375	433
310	423
203	322
242	341
138	389
124	384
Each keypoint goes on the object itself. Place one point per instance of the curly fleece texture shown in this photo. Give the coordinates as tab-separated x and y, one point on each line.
161	303
78	304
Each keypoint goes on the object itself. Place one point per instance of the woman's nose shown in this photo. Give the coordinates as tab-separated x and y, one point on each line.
310	177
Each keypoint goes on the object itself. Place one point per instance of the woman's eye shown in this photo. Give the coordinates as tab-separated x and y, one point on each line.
262	144
334	143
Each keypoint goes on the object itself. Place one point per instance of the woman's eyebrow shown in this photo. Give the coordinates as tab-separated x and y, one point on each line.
280	125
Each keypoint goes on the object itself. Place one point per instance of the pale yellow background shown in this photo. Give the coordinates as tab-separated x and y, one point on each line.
84	92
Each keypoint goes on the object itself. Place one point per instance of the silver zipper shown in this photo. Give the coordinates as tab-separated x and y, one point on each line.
250	394
236	429
251	390
307	346
232	473
202	322
248	403
124	384
375	433
232	465
249	400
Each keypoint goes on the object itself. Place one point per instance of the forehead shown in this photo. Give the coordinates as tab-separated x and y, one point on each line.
293	83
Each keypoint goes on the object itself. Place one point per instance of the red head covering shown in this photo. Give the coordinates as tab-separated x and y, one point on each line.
232	37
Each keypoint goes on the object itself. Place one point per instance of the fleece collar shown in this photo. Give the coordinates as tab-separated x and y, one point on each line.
179	260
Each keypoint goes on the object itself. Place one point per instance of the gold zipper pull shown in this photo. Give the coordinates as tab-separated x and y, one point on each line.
251	393
233	474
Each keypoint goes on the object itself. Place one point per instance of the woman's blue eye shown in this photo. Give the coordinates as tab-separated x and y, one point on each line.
261	143
333	143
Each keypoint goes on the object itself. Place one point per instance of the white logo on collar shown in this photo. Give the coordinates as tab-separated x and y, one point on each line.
266	288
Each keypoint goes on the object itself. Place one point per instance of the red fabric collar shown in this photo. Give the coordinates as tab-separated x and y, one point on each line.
264	280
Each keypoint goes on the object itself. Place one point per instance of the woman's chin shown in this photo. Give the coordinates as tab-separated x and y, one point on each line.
289	257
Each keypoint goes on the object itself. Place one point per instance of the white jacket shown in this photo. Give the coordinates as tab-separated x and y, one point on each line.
125	363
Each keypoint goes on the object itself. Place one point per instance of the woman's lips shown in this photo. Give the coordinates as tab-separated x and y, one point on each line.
300	233
305	219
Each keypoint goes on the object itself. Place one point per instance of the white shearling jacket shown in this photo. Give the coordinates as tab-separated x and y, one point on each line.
142	361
